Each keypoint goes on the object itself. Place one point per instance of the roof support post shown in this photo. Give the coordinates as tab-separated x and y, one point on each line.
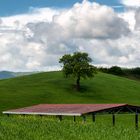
74	118
60	118
84	118
93	117
113	119
136	120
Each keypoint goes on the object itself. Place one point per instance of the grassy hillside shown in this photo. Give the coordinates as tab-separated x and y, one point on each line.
52	87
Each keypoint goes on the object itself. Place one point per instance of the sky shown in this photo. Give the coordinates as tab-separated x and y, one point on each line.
8	7
34	34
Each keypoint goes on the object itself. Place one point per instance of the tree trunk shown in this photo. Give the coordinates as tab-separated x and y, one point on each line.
78	83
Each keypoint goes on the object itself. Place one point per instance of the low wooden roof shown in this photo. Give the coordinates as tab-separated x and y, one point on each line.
73	109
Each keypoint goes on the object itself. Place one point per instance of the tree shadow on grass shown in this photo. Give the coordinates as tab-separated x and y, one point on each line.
83	88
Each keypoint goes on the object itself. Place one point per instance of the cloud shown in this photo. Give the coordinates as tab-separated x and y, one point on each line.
131	3
90	20
129	17
137	17
36	40
0	21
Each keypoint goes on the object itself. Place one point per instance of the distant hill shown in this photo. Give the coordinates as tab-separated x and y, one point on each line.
52	87
9	74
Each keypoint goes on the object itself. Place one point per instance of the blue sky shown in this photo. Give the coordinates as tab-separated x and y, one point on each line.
11	7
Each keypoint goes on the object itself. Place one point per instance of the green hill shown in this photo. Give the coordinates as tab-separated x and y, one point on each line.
52	87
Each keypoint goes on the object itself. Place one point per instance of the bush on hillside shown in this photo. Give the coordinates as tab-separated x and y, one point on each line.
115	70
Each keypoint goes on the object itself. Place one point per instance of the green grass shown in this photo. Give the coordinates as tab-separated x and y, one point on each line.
36	128
52	87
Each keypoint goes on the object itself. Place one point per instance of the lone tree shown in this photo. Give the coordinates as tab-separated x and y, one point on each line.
77	65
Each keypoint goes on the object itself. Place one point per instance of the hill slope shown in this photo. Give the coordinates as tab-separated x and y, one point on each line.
52	87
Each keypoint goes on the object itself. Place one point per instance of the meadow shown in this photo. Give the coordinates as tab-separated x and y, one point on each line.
43	128
52	87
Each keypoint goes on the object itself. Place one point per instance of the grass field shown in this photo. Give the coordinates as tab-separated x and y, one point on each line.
52	87
36	128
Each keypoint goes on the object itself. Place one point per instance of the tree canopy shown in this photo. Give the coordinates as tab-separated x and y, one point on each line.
77	65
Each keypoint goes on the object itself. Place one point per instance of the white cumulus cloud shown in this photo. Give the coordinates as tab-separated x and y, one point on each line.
135	3
37	39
